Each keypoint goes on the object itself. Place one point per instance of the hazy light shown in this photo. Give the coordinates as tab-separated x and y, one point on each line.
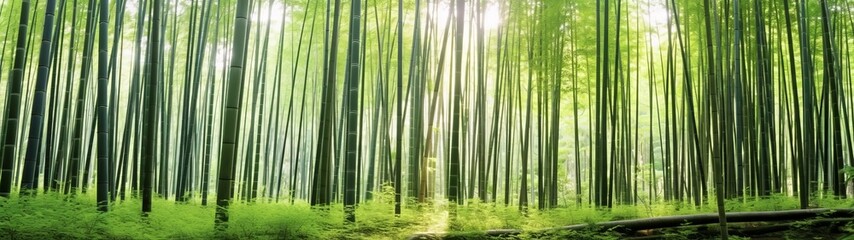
223	55
491	18
274	14
657	18
132	8
441	12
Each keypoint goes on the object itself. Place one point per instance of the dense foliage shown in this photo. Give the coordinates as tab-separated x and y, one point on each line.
471	114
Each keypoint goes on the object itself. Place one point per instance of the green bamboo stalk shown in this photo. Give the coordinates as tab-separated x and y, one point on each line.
30	171
12	111
234	86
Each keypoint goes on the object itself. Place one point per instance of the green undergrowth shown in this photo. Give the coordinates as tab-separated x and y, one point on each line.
53	216
478	216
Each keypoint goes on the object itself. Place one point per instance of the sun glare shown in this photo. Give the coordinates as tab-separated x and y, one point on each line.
656	18
492	18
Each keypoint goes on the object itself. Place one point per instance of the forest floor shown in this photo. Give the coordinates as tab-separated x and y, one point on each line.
52	216
440	222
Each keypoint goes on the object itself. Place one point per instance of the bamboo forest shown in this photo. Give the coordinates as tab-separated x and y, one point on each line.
427	119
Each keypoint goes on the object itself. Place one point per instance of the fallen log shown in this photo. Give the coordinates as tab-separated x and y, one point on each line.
633	225
702	219
702	231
